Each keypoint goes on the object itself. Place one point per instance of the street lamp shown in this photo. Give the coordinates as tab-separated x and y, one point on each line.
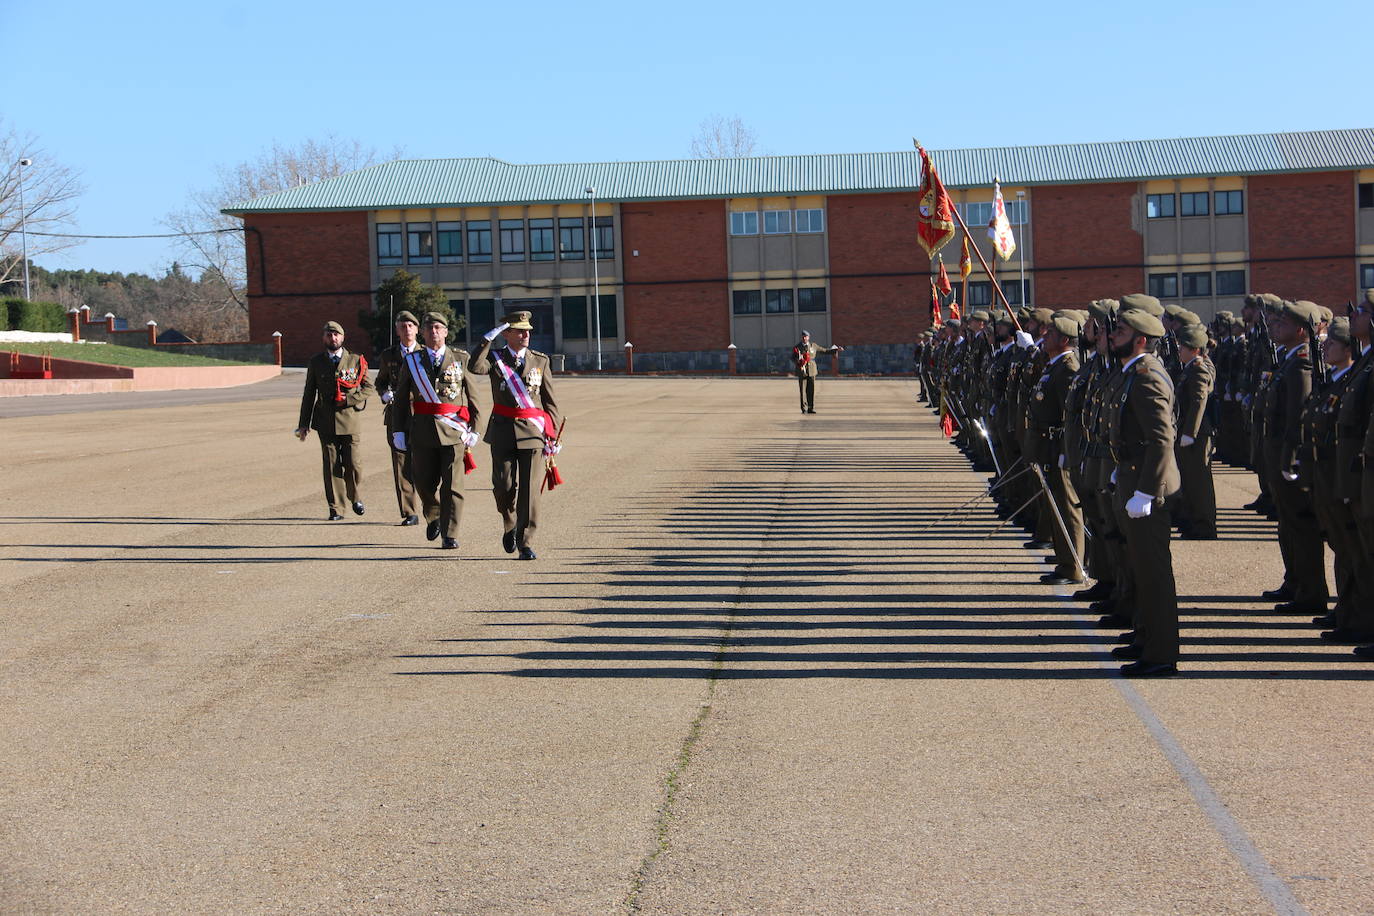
1021	199
23	226
596	276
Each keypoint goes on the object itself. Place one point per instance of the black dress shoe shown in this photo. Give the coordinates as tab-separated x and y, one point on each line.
1255	505
1127	638
1326	620
1347	635
1113	621
508	541
432	530
526	553
1126	653
1300	607
334	516
358	507
1282	593
448	543
1037	545
808	410
1196	536
1098	591
1052	579
1364	652
1149	669
410	520
1103	606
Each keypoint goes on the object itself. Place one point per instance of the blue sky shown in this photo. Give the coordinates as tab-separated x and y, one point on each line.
146	100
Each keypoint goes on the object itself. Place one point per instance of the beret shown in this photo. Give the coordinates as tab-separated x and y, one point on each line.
405	316
1193	335
436	318
1339	330
952	322
1042	315
1226	316
1302	312
980	315
1142	302
333	326
1067	323
1024	313
1104	308
1188	317
1271	302
1252	300
1322	312
1143	322
1172	309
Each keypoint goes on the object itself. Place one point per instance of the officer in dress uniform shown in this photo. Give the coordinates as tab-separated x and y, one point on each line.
804	358
1197	502
524	426
391	367
336	391
437	416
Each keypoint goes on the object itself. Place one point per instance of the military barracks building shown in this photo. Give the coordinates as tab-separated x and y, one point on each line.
692	256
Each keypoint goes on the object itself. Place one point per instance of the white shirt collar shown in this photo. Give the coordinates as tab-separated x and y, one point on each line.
335	354
1135	359
521	354
437	355
1339	372
1056	358
1006	346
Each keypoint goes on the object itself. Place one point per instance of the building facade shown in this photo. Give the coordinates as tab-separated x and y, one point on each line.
683	259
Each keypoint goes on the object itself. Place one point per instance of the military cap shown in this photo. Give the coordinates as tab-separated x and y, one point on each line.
519	321
952	322
1172	309
1104	309
1301	312
1042	315
333	326
1340	331
1143	322
1270	302
1252	300
980	315
1321	312
436	318
1226	317
405	316
1188	317
1142	302
1066	322
1193	335
1369	295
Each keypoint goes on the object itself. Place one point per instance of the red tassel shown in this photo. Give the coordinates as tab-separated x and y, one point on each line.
947	425
469	463
557	477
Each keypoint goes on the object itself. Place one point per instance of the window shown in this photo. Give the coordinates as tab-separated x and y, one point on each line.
479	241
1159	206
1366	276
1011	288
977	214
450	243
979	294
1197	284
1018	212
388	243
512	240
745	223
1366	196
464	333
572	239
810	220
811	300
777	222
1230	283
603	239
609	326
575	318
1229	202
1163	286
541	240
1193	203
419	243
747	302
777	300
481	314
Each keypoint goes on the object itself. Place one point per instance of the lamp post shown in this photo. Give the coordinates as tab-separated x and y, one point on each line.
1021	199
23	227
596	277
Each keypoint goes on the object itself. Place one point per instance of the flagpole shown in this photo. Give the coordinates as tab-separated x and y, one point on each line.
996	287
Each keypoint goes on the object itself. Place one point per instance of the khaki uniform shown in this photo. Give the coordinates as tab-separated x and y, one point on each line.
435	447
1300	540
804	359
1197	504
517	444
1043	445
334	396
390	369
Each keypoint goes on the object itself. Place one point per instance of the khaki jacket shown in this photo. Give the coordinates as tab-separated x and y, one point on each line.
390	368
1045	410
450	381
1288	389
1141	424
504	433
808	351
321	408
1194	388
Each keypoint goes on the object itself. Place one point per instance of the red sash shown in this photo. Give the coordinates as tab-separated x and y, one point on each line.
522	413
440	410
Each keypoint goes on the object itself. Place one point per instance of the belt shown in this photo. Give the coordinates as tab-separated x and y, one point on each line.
425	408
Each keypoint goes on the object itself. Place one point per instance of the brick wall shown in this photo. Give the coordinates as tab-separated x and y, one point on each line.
876	234
1080	225
1309	218
317	253
677	241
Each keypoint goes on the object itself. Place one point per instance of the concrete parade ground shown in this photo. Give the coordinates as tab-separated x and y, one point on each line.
760	666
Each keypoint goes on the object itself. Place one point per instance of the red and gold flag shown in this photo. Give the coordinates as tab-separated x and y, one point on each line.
954	310
935	319
965	262
934	209
942	280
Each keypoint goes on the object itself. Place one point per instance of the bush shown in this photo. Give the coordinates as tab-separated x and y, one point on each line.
404	291
42	317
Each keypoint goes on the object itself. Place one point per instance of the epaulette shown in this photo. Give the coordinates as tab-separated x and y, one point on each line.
537	353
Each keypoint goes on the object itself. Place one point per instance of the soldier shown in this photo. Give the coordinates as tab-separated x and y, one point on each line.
1304	584
524	425
998	380
1044	447
1141	424
392	367
437	417
336	390
1260	311
804	357
1081	454
976	357
1197	502
1355	447
1230	365
1026	371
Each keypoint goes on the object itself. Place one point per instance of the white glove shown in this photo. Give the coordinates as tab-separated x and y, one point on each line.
1139	505
1023	340
552	448
387	396
398	441
1062	460
1186	441
470	438
1113	480
1290	476
496	331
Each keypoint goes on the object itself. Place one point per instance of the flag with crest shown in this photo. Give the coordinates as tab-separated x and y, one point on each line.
999	227
934	209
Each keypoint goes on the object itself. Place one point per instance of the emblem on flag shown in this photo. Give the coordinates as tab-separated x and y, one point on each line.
999	227
935	210
965	262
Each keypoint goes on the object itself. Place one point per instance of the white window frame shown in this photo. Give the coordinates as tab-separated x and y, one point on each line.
813	220
742	220
781	220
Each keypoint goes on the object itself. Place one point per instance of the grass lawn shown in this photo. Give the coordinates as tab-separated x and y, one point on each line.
111	355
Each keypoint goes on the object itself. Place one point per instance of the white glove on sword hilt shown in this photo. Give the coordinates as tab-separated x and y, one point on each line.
398	441
552	448
1139	505
1023	340
496	331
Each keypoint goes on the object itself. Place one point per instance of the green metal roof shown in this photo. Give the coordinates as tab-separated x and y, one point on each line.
492	182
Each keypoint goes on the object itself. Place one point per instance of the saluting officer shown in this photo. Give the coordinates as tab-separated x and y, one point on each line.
336	390
523	427
1197	503
804	358
391	368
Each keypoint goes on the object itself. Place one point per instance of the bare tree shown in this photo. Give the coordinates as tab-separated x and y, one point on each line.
50	189
210	241
723	138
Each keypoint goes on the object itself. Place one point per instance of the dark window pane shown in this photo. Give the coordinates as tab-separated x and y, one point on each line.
603	237
450	240
571	239
1366	276
388	243
479	241
1230	282
575	318
1199	284
1230	202
541	240
747	301
778	300
979	293
482	317
811	300
1163	286
1367	195
1159	206
1194	203
609	326
419	244
512	240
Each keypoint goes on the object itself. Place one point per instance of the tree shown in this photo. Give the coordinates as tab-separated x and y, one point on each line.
212	242
50	189
719	138
403	292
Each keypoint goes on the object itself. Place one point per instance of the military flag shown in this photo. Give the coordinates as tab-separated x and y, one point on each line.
942	280
935	319
954	310
965	262
934	209
999	227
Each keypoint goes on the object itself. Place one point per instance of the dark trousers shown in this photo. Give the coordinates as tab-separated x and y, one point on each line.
806	386
407	499
515	485
1197	505
1152	571
1300	537
439	480
1354	576
342	470
1065	499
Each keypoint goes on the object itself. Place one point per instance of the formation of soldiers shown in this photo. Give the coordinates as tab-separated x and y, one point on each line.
1100	426
431	419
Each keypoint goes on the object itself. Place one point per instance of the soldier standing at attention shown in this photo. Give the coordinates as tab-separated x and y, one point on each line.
1044	446
804	358
336	389
524	426
1198	499
1141	423
388	375
437	417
